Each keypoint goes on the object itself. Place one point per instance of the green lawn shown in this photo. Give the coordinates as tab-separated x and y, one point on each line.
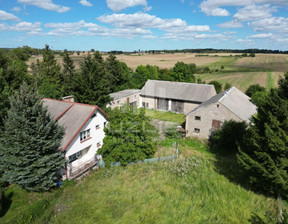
165	116
187	190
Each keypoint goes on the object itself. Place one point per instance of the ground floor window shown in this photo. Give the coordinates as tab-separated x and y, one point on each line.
196	130
75	156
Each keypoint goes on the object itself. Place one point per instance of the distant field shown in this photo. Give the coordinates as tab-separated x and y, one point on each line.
264	69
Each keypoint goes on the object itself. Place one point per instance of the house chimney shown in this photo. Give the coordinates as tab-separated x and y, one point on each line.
68	98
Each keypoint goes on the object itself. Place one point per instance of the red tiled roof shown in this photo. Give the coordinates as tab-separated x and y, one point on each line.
71	116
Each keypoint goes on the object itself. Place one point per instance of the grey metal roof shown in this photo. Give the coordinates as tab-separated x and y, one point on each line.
71	116
178	90
234	100
124	93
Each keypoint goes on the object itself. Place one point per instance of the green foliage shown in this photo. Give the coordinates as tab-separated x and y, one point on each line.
29	146
229	137
68	72
264	156
172	133
254	89
217	86
182	72
92	84
117	72
129	136
227	86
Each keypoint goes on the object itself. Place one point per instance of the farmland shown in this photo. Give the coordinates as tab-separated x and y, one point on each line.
241	72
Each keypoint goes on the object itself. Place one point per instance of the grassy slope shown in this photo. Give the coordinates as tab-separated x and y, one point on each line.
188	190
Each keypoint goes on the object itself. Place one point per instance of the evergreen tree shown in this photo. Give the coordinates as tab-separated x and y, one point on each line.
68	71
92	85
264	156
118	72
49	68
129	136
29	146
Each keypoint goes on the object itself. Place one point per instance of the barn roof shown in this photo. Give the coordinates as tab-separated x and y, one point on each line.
124	93
234	100
72	116
178	90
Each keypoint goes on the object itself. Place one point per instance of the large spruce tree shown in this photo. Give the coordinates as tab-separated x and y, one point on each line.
265	153
29	147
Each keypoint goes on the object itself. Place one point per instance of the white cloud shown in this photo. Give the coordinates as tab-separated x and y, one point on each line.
118	5
85	3
82	28
213	7
144	20
231	24
261	36
254	12
30	28
243	41
149	37
8	16
279	24
46	4
16	9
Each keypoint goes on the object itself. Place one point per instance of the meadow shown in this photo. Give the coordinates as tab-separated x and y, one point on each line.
187	190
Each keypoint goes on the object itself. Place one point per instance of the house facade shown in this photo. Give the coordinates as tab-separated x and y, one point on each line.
231	104
83	135
177	97
129	96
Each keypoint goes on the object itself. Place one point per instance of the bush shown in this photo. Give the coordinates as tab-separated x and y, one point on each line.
229	137
172	132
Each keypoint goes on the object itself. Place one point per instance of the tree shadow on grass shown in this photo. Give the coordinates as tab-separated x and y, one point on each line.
226	164
6	203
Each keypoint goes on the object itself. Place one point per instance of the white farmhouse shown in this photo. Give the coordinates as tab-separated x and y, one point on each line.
83	136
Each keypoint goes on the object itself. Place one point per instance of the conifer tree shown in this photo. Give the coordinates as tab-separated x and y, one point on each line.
68	71
29	147
264	156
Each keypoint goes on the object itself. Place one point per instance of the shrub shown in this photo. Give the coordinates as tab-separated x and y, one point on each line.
229	137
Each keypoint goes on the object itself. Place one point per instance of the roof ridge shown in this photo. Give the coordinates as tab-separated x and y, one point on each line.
226	93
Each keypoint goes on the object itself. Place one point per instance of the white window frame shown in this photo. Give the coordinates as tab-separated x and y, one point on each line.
84	135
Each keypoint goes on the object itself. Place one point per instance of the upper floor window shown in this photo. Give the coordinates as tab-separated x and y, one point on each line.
97	126
197	118
84	135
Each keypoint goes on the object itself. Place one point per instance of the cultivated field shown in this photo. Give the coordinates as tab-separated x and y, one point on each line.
264	69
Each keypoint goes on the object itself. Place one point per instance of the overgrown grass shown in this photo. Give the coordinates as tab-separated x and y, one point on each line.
165	116
187	190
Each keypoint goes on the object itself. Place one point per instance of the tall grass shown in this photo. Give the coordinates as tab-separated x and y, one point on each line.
187	190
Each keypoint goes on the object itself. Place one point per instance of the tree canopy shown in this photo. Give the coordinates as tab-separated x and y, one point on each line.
29	146
129	136
264	154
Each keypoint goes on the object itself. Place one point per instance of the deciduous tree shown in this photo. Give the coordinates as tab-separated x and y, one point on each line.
129	136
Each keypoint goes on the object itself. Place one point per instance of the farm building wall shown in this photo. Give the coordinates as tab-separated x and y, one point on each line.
200	123
133	99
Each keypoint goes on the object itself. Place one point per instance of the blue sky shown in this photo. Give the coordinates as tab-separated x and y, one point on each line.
144	24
